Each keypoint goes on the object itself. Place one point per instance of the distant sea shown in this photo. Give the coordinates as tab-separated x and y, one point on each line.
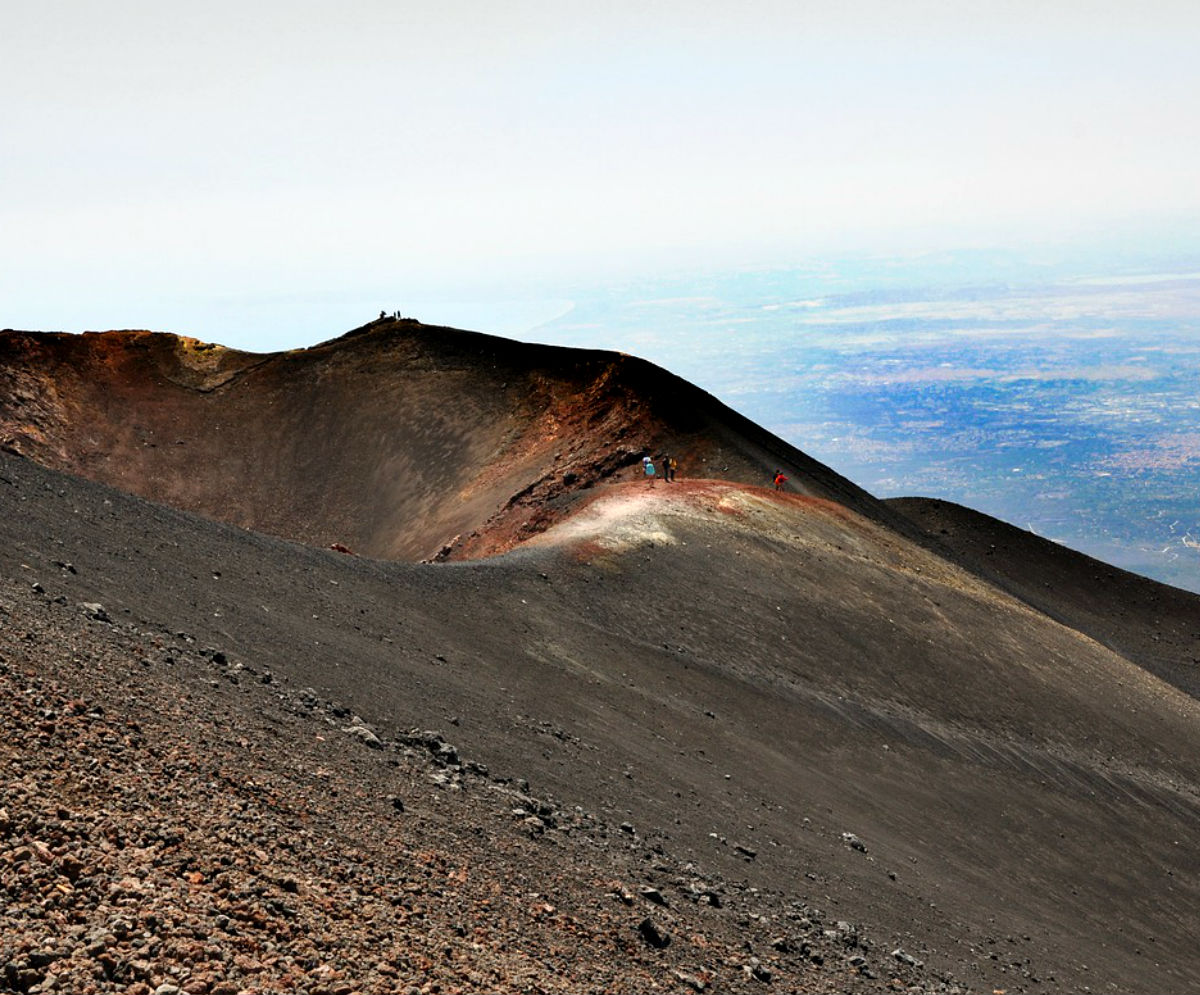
1060	393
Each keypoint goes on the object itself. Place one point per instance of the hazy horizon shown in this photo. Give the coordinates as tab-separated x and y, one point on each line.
196	168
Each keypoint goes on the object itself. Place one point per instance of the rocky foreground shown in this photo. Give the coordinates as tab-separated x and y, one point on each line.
173	821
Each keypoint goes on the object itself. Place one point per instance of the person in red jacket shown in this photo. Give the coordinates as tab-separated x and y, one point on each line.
780	480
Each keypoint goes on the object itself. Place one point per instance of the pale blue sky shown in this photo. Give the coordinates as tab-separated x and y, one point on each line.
218	169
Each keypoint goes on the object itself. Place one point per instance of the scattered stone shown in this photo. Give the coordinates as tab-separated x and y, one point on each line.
694	983
653	935
748	852
759	971
20	976
854	842
443	753
653	895
366	735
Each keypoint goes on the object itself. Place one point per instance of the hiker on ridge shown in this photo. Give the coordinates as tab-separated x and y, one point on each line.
780	480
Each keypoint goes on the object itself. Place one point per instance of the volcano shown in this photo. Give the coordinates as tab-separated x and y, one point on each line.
397	440
537	721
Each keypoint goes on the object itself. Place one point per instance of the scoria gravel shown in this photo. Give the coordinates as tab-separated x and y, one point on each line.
171	821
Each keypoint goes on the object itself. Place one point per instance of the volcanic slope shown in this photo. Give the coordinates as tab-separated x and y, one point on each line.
1151	623
398	440
813	752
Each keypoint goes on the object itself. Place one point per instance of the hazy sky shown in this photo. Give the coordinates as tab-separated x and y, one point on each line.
204	168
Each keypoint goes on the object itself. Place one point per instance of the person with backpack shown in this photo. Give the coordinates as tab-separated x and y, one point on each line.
780	480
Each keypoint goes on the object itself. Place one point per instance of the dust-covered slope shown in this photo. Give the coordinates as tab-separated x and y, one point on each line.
398	440
1151	623
862	753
